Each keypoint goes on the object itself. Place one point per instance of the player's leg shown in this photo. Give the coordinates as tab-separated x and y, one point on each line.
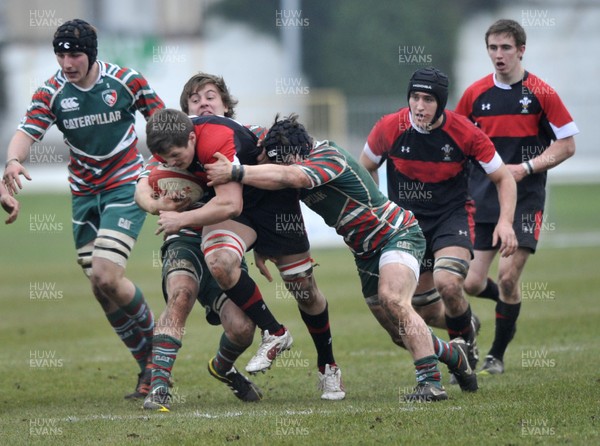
182	272
450	270
397	283
296	271
453	353
103	248
238	332
121	221
224	246
398	271
478	283
428	302
508	308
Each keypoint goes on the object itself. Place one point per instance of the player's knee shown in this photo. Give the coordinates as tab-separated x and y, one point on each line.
223	251
508	285
450	290
180	298
393	304
474	286
450	286
103	283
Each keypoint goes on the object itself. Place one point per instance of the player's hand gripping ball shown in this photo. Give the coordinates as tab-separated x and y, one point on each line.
177	184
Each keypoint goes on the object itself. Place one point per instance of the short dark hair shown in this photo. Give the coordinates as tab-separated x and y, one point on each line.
197	82
510	27
167	128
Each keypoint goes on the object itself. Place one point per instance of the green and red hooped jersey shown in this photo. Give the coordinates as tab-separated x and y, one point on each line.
344	194
98	125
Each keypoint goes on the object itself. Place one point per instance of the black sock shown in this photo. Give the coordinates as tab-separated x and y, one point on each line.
318	327
506	319
460	326
246	295
490	291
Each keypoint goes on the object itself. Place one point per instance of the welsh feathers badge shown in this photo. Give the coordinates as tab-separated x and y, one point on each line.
109	97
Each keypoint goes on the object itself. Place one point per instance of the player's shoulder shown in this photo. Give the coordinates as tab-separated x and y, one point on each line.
326	148
455	119
49	90
123	74
538	86
459	126
480	86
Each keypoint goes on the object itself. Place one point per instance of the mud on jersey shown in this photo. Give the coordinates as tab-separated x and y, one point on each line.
97	124
521	120
344	194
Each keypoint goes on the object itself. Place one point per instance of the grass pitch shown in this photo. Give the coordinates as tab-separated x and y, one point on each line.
64	372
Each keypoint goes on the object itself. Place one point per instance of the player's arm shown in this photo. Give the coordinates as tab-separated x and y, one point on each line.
147	100
557	152
18	149
9	204
507	198
226	204
264	176
371	166
483	150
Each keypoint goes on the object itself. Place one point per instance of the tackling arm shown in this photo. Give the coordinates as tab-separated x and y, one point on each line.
264	176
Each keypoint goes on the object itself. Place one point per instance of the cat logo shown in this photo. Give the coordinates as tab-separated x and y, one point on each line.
69	104
124	223
525	103
109	97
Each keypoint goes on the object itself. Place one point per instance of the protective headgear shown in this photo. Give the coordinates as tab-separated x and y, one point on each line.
286	139
433	81
77	36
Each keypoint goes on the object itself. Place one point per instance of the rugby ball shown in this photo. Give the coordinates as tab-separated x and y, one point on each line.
177	184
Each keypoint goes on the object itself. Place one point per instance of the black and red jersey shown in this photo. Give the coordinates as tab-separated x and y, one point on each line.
427	172
225	135
236	142
522	120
